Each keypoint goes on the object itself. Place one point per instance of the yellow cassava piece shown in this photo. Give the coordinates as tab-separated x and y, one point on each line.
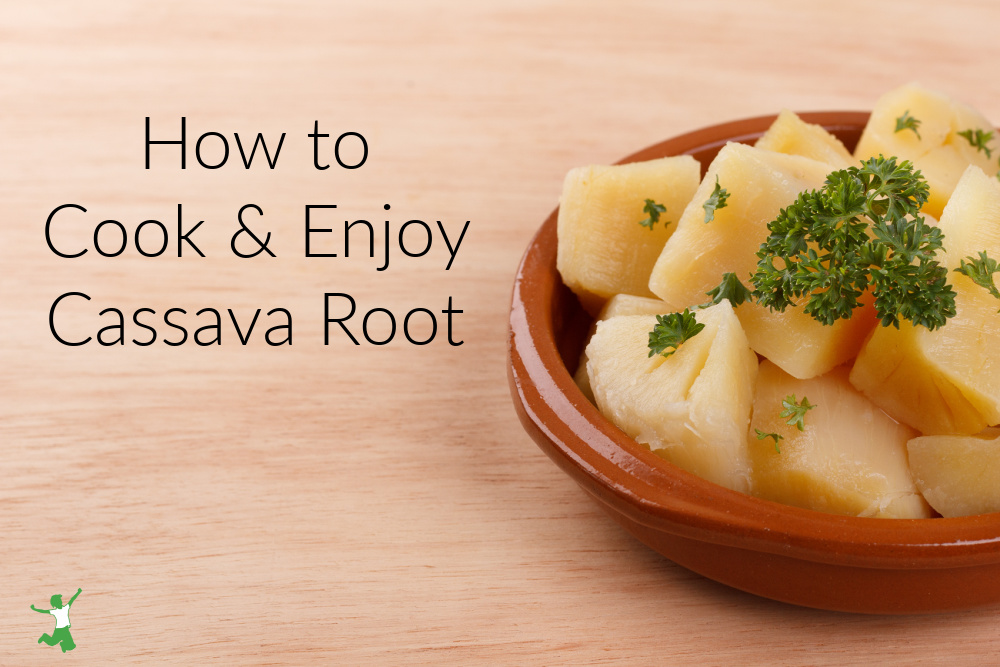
938	152
693	407
791	135
850	458
603	250
959	475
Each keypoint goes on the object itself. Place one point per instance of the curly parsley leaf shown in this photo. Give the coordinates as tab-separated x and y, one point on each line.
908	122
672	330
861	231
653	210
716	201
776	437
730	288
795	411
978	140
981	271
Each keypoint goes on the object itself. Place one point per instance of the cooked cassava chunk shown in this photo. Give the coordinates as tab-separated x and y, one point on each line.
925	127
792	135
850	457
759	184
603	249
959	475
946	381
693	407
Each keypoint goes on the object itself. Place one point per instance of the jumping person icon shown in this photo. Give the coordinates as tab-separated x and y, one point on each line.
61	634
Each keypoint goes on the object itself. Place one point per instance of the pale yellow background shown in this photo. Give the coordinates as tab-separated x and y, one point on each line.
343	505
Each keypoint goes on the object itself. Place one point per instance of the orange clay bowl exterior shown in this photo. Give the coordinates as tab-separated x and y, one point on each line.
785	553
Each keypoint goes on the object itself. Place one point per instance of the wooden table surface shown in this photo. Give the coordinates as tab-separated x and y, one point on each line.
342	504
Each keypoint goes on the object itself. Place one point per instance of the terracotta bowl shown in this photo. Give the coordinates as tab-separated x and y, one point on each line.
776	551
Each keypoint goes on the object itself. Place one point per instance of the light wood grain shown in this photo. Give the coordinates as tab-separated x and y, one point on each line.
342	505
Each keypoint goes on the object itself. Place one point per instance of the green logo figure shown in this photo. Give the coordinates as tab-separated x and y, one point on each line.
61	634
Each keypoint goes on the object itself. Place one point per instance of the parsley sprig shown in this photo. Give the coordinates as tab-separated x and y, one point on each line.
672	330
730	288
978	140
981	271
775	436
653	211
795	411
908	122
860	231
715	201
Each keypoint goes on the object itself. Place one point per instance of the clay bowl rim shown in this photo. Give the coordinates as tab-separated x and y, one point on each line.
644	488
